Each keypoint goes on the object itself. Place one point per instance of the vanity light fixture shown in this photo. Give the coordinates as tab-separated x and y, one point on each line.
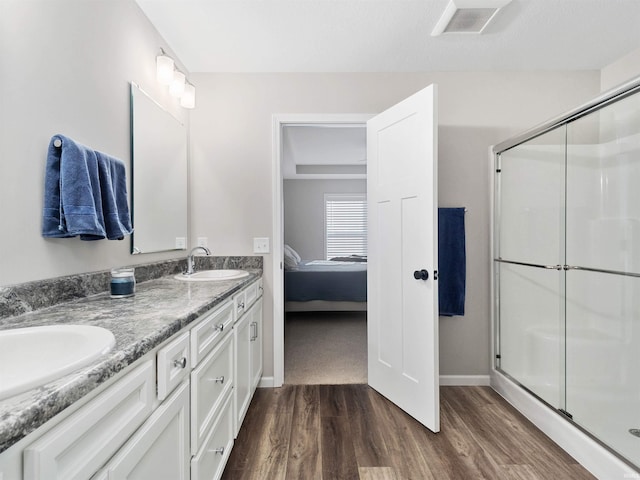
179	87
164	68
188	99
467	16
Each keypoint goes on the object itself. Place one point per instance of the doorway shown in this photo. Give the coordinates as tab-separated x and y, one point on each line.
402	291
310	171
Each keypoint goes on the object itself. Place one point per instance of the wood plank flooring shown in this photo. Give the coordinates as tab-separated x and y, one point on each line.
345	432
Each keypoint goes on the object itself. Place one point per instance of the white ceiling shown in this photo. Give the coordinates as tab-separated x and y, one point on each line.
324	151
391	35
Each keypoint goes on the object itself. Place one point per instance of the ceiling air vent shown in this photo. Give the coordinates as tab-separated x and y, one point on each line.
467	16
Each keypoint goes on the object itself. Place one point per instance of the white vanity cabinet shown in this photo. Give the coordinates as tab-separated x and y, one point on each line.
248	343
174	415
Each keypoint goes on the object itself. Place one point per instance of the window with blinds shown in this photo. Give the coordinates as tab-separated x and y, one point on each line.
345	225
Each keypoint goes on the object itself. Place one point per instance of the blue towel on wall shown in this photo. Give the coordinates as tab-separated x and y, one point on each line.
452	268
85	193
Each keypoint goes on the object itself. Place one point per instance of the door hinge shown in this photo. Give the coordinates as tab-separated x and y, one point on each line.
498	356
565	413
435	274
498	170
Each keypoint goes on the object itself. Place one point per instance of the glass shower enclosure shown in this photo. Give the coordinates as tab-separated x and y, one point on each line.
567	267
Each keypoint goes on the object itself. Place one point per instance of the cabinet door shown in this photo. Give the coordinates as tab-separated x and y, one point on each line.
256	344
242	342
159	450
84	442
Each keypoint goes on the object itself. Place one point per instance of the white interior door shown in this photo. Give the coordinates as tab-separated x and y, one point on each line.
403	244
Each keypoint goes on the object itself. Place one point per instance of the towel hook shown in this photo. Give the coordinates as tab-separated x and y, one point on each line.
57	143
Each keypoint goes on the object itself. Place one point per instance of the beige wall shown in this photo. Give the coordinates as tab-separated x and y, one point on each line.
65	67
232	162
620	71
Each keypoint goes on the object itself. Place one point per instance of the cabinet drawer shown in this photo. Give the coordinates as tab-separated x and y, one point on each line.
211	382
239	302
250	294
173	365
209	463
209	331
88	438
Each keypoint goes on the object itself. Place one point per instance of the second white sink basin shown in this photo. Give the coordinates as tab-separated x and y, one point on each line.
33	356
213	275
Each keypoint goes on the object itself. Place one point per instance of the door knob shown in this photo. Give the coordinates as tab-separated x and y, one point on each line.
421	274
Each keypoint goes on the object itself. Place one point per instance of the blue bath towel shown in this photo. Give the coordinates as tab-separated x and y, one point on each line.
85	193
452	268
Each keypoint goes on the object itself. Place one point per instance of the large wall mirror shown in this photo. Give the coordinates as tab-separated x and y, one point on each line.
159	172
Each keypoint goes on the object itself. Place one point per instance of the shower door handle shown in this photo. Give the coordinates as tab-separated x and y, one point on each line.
421	274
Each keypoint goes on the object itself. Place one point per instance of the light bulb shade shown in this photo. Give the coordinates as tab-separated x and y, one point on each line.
188	99
164	69
177	86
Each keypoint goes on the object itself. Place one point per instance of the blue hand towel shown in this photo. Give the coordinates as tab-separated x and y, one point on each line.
451	261
113	185
85	193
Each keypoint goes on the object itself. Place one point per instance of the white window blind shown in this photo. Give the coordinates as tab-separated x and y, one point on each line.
345	225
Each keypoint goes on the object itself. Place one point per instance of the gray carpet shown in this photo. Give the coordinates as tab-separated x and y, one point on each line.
325	348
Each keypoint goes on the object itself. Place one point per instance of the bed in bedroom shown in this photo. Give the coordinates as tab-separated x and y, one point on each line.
325	285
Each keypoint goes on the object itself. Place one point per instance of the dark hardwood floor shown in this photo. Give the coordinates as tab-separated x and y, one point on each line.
344	432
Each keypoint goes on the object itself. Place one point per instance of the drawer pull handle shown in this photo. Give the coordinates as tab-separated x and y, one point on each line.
219	379
182	363
219	450
219	327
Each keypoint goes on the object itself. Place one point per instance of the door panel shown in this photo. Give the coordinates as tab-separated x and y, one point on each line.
388	309
403	310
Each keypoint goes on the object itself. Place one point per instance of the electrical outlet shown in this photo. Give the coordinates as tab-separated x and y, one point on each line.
261	245
181	243
203	242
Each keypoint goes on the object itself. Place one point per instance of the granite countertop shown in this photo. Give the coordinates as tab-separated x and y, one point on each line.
159	309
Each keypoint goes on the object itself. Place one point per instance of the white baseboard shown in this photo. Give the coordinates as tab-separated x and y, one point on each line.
265	382
591	455
464	380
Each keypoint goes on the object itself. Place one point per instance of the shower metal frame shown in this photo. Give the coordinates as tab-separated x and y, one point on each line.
612	96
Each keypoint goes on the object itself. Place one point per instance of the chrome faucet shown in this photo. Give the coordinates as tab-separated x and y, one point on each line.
190	268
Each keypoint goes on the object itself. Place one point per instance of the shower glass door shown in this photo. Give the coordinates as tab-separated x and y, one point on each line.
530	250
603	275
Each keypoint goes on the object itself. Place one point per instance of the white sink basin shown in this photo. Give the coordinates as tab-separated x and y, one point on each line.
212	275
33	356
